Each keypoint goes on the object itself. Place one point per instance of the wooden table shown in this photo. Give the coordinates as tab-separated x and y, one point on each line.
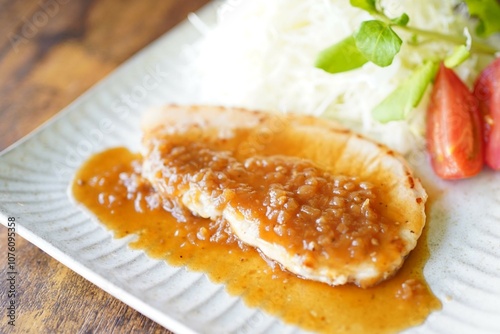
51	51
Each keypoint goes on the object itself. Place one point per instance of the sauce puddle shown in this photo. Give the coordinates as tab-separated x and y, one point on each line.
109	186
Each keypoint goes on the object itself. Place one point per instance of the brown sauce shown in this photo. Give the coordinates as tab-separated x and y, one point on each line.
320	220
108	184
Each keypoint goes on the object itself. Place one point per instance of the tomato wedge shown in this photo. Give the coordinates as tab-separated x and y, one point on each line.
487	91
454	131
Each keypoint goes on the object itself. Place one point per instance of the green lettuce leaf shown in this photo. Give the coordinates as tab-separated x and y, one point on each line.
407	96
488	13
341	57
378	42
368	5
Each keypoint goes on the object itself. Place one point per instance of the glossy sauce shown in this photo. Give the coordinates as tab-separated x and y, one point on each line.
110	186
319	219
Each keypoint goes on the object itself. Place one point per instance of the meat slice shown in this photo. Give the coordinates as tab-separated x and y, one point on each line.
326	204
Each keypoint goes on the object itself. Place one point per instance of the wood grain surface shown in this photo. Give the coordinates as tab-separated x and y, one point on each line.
51	51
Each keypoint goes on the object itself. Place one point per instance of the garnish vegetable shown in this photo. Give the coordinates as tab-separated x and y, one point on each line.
378	41
487	91
454	132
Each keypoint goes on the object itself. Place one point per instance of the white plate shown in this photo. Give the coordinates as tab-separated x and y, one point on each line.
464	236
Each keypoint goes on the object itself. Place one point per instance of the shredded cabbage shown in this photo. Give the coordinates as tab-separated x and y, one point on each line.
261	55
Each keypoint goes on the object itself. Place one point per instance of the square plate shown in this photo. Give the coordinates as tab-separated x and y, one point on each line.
464	236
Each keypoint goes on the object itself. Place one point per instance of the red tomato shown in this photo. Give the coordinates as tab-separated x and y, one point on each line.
487	91
454	132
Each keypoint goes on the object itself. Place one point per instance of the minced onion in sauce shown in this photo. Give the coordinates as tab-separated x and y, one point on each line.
110	185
